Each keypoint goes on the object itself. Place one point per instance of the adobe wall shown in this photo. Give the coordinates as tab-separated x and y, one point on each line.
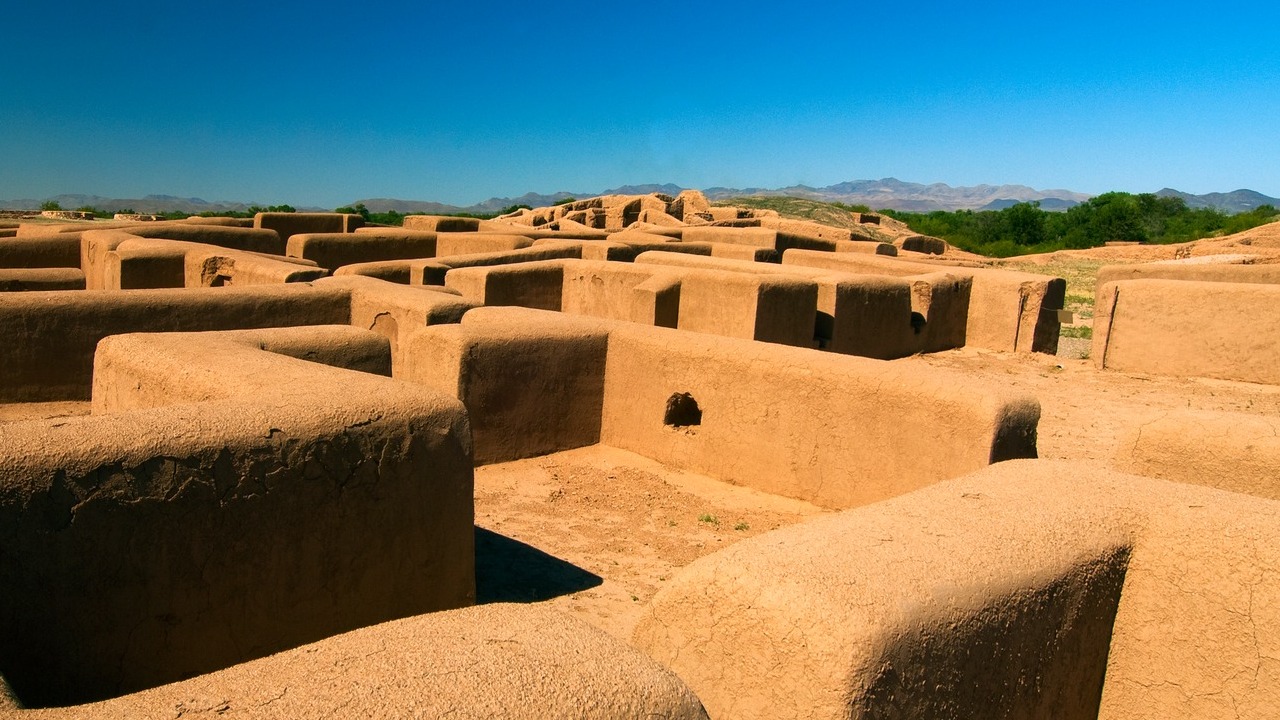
41	251
1225	450
474	243
435	271
867	315
60	330
621	292
288	224
1198	271
333	250
138	263
1171	327
396	311
770	416
245	503
441	223
37	279
95	244
532	383
1114	596
1008	311
429	666
832	430
768	308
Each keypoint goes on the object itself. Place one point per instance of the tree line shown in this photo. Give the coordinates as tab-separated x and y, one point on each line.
1115	216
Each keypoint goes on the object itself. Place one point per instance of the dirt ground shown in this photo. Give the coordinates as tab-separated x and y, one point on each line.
596	531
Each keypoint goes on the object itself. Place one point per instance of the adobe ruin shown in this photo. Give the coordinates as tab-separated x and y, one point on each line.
244	472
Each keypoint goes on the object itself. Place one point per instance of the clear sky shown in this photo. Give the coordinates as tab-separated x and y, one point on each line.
324	103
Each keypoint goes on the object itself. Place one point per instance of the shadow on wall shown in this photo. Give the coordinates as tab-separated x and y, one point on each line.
508	570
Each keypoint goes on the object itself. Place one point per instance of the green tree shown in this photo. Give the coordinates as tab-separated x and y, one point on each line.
359	209
50	205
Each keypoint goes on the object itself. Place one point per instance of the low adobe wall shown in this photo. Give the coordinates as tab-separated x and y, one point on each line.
832	430
225	502
871	316
1008	311
60	330
40	251
35	279
493	661
333	250
1171	327
138	263
1029	589
95	244
432	271
1198	271
1225	450
532	383
396	311
288	224
768	308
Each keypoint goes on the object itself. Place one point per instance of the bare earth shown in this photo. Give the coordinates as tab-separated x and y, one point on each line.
596	531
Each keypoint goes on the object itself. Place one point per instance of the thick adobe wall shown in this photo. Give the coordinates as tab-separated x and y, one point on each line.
441	223
768	308
333	250
621	292
532	383
139	263
770	238
288	224
395	311
1197	271
223	503
492	661
1029	589
36	279
1008	311
832	430
96	244
475	243
772	309
1225	450
1170	327
534	283
867	315
60	330
45	251
432	271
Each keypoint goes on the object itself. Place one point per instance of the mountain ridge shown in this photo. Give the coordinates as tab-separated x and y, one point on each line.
877	194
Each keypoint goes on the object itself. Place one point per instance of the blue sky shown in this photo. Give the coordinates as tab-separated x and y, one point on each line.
320	104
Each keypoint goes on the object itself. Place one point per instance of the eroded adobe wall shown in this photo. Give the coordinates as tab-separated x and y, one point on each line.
532	382
1008	311
244	502
1226	450
60	330
1170	327
1029	589
833	430
1196	270
333	250
288	224
494	661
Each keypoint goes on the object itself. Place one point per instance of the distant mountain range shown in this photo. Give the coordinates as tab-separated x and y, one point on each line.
877	194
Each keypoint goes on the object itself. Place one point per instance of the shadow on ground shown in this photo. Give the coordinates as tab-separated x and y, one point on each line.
508	570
